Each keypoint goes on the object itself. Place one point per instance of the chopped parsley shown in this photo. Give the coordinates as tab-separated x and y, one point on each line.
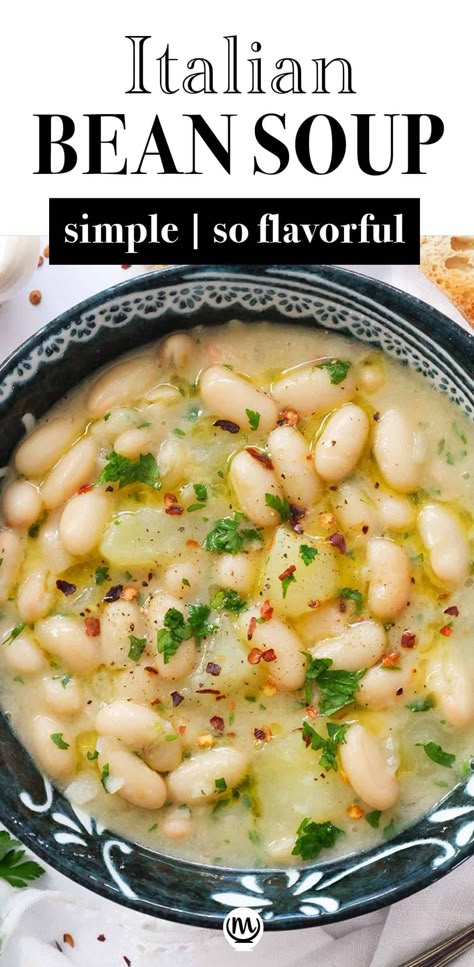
337	686
350	594
282	507
58	739
105	775
253	418
337	369
329	746
220	785
421	704
92	756
124	471
255	837
307	554
228	600
312	837
65	680
177	629
287	578
227	537
373	818
178	432
437	754
16	871
17	630
101	575
201	492
137	647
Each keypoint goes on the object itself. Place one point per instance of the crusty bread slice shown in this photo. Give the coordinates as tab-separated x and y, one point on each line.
448	261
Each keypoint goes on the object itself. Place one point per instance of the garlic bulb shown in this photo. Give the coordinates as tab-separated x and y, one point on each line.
18	260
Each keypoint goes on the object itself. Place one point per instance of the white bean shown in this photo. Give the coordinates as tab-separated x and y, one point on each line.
23	656
11	554
228	396
137	685
121	385
57	763
131	443
35	596
66	639
135	725
44	446
181	663
183	580
389	578
327	621
293	465
288	671
308	389
173	459
140	786
367	769
383	687
234	571
371	376
119	620
116	421
397	452
341	444
75	469
396	512
177	823
22	504
444	536
452	684
51	546
251	480
360	646
354	509
178	351
194	781
63	697
83	520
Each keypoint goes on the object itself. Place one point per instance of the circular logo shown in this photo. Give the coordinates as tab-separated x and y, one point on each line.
243	928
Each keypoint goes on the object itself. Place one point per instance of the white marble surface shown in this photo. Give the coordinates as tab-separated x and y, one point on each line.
33	921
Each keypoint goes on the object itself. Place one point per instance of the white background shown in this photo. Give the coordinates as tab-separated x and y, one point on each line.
71	58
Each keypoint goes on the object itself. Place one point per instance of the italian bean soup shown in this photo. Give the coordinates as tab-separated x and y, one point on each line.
235	593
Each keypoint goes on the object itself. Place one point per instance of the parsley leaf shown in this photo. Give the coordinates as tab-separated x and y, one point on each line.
312	837
58	739
13	869
197	620
17	630
373	818
421	704
282	507
105	775
177	629
124	471
93	755
226	536
337	369
307	553
329	746
137	647
201	492
228	600
253	418
286	581
437	754
220	785
101	575
350	594
337	686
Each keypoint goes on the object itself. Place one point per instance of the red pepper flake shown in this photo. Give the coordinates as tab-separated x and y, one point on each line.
391	659
217	723
314	603
251	628
266	610
182	729
113	594
125	266
85	488
287	572
377	416
92	627
35	297
365	528
207	691
127	961
263	735
68	938
176	699
40	261
101	938
311	712
259	734
260	456
227	425
453	611
66	588
288	417
443	597
446	630
213	668
151	670
269	655
296	515
170	499
231	735
408	639
337	540
254	656
192	543
174	511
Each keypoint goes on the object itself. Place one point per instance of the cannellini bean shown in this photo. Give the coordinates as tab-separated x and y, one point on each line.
173	459
251	480
178	351
371	376
165	755
228	396
66	638
137	685
340	446
177	823
131	443
295	472
140	786
22	504
135	725
182	663
44	446
75	469
288	671
57	763
83	520
122	384
367	769
165	394
116	421
234	571
383	687
189	572
443	535
308	389
451	682
23	656
51	546
397	451
327	621
360	646
63	697
354	509
389	578
11	554
396	512
35	596
195	779
119	620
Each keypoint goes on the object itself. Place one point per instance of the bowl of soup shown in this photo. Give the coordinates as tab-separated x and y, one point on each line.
236	594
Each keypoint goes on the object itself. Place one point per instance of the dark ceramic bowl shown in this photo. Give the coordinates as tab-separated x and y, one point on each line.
39	373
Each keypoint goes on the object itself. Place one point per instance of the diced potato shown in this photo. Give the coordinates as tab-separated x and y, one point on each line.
226	650
317	580
146	537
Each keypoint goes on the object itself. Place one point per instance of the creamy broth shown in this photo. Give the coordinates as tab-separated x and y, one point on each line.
236	601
